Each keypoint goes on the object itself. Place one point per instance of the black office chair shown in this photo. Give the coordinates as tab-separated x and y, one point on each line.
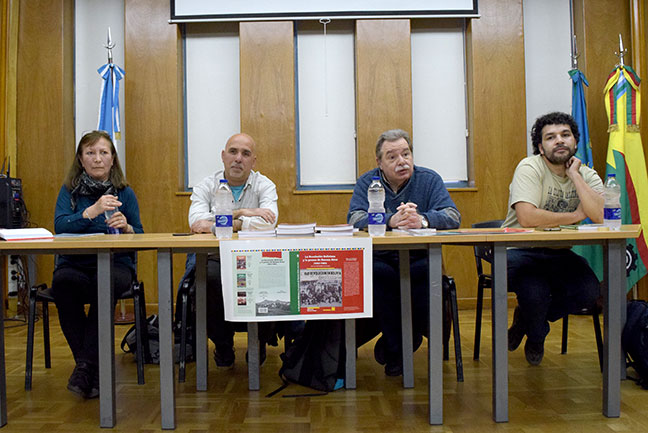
594	312
451	320
185	313
41	293
485	281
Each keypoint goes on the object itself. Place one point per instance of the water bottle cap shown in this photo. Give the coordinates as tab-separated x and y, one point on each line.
612	175
223	181
375	177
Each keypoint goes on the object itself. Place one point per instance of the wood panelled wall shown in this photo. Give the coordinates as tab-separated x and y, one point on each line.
497	98
383	83
153	113
153	106
8	63
4	66
44	108
268	104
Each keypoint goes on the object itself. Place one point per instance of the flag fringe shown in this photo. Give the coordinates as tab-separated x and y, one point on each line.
632	128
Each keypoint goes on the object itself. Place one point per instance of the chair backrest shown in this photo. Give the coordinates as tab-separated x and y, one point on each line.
484	252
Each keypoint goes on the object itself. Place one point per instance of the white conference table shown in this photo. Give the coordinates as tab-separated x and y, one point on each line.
166	245
614	305
103	246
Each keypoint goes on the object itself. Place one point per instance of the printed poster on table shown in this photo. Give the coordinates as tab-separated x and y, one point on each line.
296	279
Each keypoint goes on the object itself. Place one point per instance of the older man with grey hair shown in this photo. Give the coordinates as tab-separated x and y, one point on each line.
415	197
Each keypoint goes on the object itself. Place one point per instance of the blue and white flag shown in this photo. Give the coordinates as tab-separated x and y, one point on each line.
579	113
592	253
109	119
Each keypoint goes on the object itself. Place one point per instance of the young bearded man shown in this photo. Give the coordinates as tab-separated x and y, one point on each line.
548	189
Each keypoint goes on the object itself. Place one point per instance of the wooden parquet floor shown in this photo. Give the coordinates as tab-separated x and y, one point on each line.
562	395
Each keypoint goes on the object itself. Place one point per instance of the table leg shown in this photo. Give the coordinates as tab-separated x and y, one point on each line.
165	315
406	318
613	323
350	337
106	328
435	333
500	334
202	348
254	381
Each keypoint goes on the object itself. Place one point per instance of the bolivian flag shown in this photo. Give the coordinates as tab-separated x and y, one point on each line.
625	158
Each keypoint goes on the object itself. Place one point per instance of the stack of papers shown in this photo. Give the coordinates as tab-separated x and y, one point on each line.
334	230
421	232
25	234
256	233
307	229
590	226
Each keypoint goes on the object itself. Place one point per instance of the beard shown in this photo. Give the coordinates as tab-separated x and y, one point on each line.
559	159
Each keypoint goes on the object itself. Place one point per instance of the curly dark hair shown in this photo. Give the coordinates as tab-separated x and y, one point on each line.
555	118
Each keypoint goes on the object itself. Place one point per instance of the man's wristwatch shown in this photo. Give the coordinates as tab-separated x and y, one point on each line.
424	222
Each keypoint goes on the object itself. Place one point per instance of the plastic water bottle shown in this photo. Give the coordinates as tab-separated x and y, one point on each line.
612	207
376	197
108	214
223	211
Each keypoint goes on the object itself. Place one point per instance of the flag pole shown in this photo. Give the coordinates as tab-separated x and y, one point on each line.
621	53
109	45
574	55
121	316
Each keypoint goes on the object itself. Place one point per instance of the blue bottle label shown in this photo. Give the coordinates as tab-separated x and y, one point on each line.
612	213
223	220
376	217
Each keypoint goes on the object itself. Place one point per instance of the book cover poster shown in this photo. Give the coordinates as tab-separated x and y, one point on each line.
283	279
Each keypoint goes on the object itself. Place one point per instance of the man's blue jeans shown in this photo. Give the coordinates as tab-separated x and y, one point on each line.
549	283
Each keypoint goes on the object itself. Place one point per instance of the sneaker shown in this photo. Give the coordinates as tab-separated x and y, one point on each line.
534	352
224	356
379	348
393	363
80	381
394	369
516	332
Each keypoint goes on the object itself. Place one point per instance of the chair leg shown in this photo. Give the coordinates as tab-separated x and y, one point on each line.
455	328
447	321
46	335
140	322
143	316
478	319
599	338
183	339
565	331
30	338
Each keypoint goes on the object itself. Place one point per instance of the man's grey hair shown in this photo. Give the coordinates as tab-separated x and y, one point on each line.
392	135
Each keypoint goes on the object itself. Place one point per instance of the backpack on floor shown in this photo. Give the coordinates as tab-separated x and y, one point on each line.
317	357
129	342
634	340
